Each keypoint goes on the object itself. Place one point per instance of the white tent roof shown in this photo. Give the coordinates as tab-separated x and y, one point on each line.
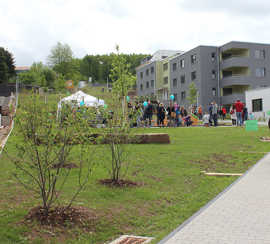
78	97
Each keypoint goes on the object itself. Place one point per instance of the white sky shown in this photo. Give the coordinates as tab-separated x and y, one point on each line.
30	28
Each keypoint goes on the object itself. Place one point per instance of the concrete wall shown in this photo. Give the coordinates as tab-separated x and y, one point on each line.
207	81
204	82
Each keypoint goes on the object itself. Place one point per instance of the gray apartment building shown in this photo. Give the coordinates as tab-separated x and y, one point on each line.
221	74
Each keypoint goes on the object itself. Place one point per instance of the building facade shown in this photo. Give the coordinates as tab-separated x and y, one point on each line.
153	76
258	103
221	74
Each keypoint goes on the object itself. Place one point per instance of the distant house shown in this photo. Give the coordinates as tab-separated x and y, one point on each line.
20	69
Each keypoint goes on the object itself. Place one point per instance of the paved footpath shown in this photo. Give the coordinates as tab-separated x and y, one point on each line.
240	214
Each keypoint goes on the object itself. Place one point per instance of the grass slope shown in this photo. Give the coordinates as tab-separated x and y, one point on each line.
172	186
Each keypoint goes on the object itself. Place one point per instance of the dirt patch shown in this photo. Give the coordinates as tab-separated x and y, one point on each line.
66	166
60	224
119	183
155	178
213	161
62	216
136	172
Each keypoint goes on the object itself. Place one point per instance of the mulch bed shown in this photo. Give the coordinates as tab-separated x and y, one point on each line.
62	217
119	183
66	166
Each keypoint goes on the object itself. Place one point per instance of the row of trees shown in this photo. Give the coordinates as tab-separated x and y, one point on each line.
98	66
62	65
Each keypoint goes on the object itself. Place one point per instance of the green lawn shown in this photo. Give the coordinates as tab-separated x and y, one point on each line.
172	186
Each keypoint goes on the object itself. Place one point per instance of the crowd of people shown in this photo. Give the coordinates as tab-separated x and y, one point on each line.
239	113
148	114
174	115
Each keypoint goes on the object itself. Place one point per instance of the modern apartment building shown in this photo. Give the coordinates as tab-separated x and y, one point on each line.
243	66
221	74
153	74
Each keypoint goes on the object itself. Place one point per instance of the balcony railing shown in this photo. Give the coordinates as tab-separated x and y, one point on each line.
235	61
234	56
243	80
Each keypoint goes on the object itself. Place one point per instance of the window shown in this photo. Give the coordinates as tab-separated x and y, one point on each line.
227	91
175	96
152	83
213	56
141	75
165	80
213	74
214	92
257	105
260	54
182	63
165	66
147	72
147	84
174	67
183	79
193	75
175	83
193	58
152	70
183	95
141	87
260	72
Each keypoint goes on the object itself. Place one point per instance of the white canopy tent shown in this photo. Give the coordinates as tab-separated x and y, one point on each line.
78	98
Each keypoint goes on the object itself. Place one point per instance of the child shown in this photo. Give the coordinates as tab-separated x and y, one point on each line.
205	120
233	115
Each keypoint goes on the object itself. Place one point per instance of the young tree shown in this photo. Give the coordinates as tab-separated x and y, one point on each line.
45	147
192	93
117	131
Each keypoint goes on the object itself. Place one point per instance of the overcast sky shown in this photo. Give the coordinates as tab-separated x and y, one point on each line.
30	28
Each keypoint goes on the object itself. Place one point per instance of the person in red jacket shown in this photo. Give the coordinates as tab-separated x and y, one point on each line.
239	110
224	112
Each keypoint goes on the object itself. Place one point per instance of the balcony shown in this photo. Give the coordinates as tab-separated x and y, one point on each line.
235	80
229	99
234	52
234	61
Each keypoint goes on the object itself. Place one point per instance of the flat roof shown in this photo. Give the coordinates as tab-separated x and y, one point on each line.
22	68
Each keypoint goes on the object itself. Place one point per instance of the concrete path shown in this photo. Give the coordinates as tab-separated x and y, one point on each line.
240	214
